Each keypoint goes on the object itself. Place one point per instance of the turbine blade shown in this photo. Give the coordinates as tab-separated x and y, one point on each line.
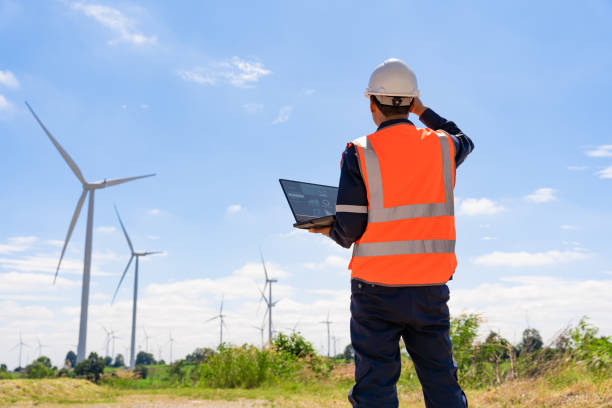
221	309
66	156
211	319
121	280
14	348
75	217
152	253
114	182
263	296
264	265
125	232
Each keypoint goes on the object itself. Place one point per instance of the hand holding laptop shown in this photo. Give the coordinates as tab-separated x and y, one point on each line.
320	230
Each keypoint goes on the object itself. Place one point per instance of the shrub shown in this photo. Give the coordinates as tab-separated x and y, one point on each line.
91	368
589	348
40	368
295	344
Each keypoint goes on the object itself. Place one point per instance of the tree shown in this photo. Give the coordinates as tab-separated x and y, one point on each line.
143	358
294	344
70	359
495	349
3	368
119	361
349	353
40	368
91	368
108	361
532	341
200	355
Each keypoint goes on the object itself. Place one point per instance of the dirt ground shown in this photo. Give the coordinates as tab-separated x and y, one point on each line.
149	401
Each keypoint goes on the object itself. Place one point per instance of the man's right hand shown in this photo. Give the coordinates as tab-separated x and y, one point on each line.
417	107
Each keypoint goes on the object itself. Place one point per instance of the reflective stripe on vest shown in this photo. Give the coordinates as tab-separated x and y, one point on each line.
398	222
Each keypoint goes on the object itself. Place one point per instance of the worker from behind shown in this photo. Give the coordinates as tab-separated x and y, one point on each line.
396	206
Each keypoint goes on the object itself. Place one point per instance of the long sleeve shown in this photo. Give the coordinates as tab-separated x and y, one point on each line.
352	202
463	144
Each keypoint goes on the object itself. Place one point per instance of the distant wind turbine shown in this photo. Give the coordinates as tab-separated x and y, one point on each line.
328	323
40	346
21	344
147	337
88	189
136	255
268	299
220	316
261	329
171	341
106	340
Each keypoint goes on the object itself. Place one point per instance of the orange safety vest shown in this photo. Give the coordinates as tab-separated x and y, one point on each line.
409	174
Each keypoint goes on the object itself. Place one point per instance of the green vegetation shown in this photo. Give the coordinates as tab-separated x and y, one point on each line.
289	372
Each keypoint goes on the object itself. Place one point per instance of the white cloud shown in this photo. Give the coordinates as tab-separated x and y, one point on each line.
605	173
252	108
332	261
488	239
524	258
154	211
5	105
17	244
308	92
116	21
106	229
479	206
234	208
153	237
235	71
144	106
283	115
577	168
8	79
27	282
541	195
601	151
568	227
550	303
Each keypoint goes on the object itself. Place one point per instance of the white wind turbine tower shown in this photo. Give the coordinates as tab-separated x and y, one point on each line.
171	341
268	299
40	346
220	316
88	189
147	338
328	323
106	340
261	329
20	345
113	338
136	255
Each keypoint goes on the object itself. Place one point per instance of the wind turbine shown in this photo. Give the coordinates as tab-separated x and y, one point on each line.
220	316
113	338
88	189
40	346
268	299
147	337
20	345
261	329
328	323
136	255
107	340
171	341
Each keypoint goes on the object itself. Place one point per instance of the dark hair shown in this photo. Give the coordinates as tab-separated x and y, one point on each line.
389	110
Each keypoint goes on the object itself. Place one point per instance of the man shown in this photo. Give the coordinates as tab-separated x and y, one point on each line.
396	204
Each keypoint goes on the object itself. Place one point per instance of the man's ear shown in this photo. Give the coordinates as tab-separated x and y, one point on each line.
373	106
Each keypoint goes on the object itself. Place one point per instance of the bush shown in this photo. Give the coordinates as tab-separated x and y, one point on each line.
91	368
41	368
296	345
589	348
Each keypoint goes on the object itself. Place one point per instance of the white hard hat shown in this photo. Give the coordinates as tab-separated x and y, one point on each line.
390	80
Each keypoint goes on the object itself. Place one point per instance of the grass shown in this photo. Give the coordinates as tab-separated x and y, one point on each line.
568	388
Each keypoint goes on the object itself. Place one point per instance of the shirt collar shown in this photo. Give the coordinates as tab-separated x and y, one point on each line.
392	122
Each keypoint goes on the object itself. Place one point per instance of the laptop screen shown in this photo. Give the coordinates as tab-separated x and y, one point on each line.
309	201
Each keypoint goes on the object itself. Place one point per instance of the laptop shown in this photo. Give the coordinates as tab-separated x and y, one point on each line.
313	205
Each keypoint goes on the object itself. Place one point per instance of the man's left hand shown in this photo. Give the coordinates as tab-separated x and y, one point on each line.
320	230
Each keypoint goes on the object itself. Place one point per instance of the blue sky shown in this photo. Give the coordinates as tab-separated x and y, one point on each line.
222	100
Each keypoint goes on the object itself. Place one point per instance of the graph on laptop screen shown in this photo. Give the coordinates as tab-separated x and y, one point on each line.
309	201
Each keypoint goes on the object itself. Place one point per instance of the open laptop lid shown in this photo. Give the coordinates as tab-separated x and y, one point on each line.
309	201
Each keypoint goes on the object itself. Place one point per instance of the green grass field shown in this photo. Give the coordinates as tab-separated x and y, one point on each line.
569	388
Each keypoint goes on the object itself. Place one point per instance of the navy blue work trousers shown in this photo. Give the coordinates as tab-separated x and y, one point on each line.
380	316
